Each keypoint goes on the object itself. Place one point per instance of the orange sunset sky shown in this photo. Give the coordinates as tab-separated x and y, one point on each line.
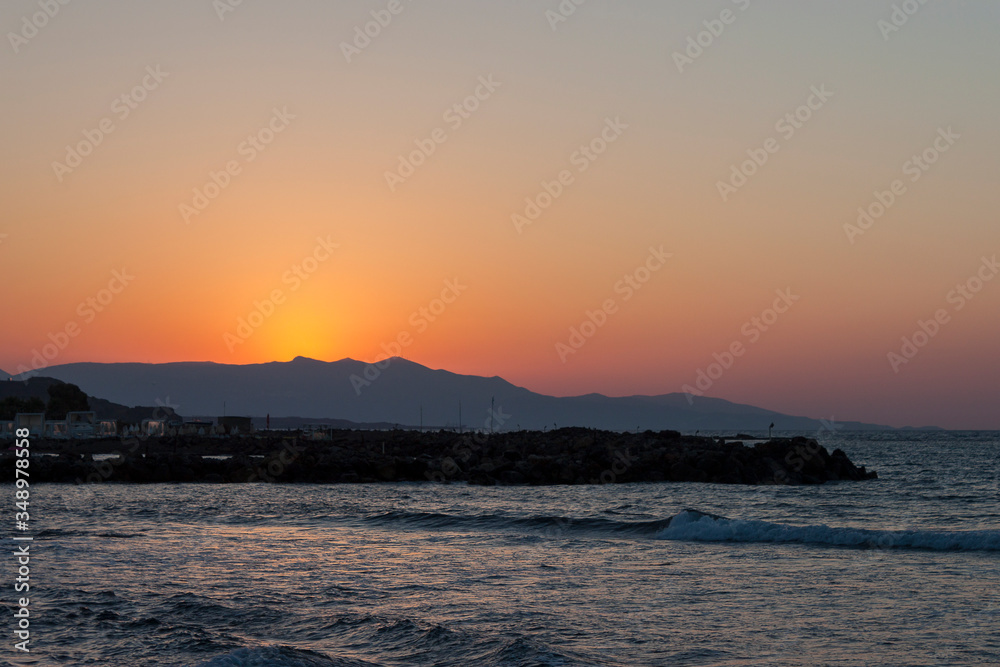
354	175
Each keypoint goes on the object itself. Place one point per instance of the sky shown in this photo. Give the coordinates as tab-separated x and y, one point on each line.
788	204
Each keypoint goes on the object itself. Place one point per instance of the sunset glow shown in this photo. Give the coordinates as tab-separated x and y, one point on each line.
481	181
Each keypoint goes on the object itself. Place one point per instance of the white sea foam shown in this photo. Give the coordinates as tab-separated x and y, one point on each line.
695	526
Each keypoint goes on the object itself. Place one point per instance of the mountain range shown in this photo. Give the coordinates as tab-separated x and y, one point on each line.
408	394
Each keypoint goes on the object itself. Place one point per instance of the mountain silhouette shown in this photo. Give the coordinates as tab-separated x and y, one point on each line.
403	392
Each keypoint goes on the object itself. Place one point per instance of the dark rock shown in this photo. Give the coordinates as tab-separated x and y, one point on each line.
513	478
480	478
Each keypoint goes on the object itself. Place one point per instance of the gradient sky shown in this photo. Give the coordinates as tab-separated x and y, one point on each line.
323	176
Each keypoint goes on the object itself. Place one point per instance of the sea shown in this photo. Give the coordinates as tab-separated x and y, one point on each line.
902	570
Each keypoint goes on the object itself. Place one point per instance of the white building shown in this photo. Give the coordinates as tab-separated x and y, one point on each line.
81	424
33	421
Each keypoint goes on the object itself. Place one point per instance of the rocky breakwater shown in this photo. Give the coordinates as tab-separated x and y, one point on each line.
581	456
562	456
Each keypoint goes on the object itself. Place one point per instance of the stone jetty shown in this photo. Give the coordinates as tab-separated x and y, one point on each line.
561	456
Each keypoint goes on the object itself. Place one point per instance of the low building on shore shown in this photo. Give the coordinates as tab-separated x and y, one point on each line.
33	421
81	424
76	425
153	427
56	429
197	427
107	428
236	425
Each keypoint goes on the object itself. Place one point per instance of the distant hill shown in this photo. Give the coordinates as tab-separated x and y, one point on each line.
4	376
300	422
32	388
38	387
399	393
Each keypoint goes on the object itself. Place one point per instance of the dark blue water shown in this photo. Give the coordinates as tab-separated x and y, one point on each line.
904	570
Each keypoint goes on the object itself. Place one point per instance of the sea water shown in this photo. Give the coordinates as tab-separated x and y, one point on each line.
903	570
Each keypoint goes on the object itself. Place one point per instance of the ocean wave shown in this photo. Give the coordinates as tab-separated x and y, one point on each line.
695	526
547	525
280	656
410	642
52	533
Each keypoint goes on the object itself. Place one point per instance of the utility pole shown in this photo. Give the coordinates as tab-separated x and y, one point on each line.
491	415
